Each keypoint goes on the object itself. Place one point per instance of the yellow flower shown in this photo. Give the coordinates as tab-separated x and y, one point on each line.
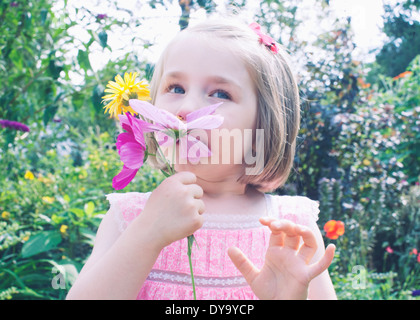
121	91
63	228
29	175
366	162
5	215
48	199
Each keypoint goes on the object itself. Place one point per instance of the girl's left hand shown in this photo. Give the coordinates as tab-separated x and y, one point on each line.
286	273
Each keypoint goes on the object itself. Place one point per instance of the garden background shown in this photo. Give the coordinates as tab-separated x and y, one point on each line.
358	149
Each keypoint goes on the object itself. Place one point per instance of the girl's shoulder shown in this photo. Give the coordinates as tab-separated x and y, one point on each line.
298	209
126	206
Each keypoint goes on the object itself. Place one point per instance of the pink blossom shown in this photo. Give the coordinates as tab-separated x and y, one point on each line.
264	39
131	147
389	249
169	127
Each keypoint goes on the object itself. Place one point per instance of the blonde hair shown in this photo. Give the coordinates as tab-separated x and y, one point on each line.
278	98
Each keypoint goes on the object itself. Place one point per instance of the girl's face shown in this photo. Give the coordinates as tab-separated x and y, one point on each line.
198	73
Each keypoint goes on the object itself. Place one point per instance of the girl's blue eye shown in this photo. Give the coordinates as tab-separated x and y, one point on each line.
220	94
176	89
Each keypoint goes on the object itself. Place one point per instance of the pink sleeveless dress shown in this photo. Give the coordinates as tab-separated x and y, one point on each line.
215	276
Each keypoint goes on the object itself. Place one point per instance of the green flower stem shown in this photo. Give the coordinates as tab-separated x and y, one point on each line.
170	169
191	240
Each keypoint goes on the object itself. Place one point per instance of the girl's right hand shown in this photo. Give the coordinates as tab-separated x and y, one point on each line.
173	210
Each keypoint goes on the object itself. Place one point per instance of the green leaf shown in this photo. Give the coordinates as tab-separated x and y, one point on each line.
89	236
103	38
78	212
77	99
41	242
83	59
165	173
89	208
97	94
49	114
43	16
16	58
55	67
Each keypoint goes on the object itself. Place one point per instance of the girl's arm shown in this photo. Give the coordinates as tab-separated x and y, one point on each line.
120	264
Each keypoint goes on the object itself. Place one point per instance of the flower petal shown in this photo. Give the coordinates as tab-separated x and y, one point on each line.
340	228
160	116
123	138
206	122
164	139
125	123
202	112
131	152
330	226
332	235
193	149
121	180
132	155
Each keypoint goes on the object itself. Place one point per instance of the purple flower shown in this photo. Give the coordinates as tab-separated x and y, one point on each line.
101	16
131	148
415	293
14	4
14	125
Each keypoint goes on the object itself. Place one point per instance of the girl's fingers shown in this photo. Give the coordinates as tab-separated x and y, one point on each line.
318	267
201	206
277	226
196	191
242	263
186	177
309	246
284	234
266	220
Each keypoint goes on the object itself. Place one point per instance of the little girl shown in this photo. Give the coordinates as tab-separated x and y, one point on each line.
251	245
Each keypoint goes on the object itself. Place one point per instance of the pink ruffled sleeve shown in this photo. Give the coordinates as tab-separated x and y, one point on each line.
300	210
125	207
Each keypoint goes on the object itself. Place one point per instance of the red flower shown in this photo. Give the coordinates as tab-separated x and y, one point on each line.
334	229
264	39
414	251
402	75
389	249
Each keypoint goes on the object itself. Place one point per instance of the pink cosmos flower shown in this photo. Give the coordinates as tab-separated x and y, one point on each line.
131	147
168	127
131	144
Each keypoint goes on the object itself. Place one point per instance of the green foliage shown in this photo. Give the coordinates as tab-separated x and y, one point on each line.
53	226
403	30
374	189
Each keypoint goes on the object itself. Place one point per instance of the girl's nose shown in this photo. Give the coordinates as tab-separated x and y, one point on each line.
189	104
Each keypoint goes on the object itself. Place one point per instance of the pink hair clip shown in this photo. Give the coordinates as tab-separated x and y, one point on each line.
264	39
